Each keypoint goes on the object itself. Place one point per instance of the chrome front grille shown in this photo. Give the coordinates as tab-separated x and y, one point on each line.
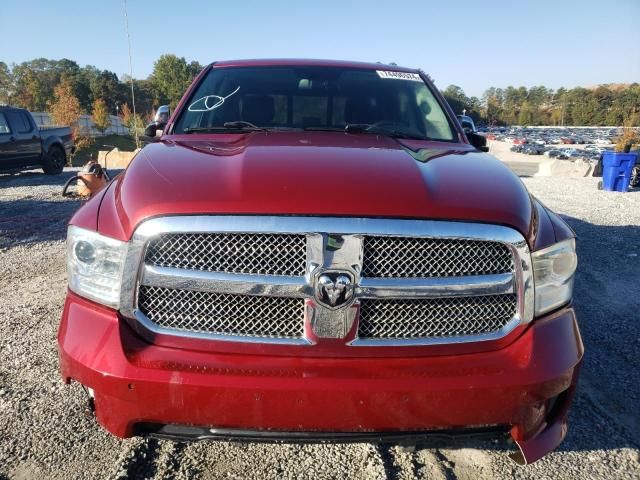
411	257
242	315
246	253
438	317
264	280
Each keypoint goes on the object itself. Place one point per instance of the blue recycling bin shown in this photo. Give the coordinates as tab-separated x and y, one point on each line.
616	170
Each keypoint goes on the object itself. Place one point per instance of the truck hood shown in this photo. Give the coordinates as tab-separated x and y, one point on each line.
314	173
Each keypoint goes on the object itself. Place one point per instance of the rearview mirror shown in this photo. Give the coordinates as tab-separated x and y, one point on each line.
477	141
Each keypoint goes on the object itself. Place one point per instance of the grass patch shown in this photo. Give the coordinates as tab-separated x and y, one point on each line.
123	142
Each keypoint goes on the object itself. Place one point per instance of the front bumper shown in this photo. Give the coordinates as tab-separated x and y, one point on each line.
524	388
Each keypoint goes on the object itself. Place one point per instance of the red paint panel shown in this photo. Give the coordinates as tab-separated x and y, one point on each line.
135	381
313	173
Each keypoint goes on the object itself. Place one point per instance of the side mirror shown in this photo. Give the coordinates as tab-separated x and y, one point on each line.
467	127
477	141
162	116
151	131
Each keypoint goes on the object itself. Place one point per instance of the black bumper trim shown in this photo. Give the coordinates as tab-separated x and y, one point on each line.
435	438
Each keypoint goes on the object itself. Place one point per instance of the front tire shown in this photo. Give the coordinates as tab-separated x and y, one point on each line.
54	160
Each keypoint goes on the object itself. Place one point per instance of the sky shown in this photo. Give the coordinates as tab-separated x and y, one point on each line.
473	44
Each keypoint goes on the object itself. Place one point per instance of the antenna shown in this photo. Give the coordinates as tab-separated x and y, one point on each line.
133	95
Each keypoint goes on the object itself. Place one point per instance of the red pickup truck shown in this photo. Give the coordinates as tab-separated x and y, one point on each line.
315	251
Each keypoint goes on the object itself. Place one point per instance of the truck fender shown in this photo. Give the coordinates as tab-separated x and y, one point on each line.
50	141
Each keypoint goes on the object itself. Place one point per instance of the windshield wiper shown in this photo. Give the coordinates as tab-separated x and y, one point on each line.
368	128
389	132
323	129
244	125
227	126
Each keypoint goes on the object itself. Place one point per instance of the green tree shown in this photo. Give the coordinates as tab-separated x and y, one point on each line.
35	80
100	115
131	121
525	116
459	102
456	98
5	83
171	76
65	110
512	102
105	85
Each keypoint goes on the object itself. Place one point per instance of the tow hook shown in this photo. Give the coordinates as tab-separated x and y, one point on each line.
90	409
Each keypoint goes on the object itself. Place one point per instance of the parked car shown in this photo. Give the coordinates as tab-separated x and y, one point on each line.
314	251
533	149
556	154
23	144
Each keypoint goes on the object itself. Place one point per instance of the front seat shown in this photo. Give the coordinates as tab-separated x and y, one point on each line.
258	109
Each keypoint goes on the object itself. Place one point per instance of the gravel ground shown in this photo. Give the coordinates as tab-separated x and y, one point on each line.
44	432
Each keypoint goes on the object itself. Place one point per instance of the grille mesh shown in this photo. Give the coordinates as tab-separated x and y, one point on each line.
223	314
246	253
411	257
442	317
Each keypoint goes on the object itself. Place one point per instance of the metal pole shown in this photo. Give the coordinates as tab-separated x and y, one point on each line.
133	95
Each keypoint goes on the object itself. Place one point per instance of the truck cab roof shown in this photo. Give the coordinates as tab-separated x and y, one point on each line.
276	62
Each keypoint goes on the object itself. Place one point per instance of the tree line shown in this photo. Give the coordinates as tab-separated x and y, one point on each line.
33	85
611	105
66	90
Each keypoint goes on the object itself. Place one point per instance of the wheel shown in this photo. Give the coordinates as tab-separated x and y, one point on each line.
54	160
635	177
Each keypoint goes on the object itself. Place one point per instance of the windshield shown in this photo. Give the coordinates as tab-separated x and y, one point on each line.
315	98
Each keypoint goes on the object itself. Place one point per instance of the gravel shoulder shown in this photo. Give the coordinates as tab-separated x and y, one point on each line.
44	432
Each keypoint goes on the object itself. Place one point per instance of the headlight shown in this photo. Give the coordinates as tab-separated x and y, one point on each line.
95	264
553	273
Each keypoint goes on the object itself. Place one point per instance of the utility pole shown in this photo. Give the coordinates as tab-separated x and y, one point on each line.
133	95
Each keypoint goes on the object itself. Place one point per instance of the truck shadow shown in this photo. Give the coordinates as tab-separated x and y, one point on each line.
35	178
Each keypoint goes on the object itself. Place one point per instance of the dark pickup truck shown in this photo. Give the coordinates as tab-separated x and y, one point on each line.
24	144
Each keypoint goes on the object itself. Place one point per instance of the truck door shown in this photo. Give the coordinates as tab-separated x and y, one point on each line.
8	144
26	137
